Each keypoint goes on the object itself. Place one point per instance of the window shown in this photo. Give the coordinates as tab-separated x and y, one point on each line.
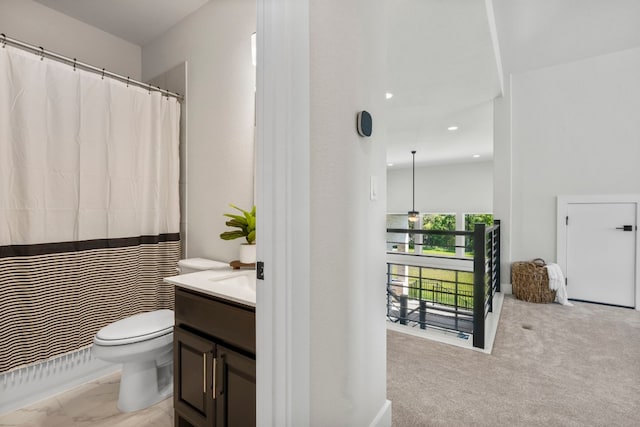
469	221
439	245
397	242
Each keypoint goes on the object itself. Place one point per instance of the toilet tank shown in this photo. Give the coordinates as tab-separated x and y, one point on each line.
191	265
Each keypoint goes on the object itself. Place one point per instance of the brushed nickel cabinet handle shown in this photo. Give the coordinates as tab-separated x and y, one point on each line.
215	362
204	373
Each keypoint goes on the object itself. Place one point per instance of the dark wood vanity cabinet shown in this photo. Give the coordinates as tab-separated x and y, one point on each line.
193	371
214	362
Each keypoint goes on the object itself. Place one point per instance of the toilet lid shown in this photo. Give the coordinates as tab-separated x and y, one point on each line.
139	327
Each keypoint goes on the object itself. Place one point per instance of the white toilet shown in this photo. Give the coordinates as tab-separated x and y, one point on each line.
143	343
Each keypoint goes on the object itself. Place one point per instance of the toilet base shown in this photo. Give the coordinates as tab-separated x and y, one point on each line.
143	384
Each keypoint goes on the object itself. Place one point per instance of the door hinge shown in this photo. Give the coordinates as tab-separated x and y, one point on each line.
566	220
566	281
260	270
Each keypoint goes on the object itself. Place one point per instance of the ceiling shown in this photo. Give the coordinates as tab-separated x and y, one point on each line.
541	33
442	72
137	21
446	58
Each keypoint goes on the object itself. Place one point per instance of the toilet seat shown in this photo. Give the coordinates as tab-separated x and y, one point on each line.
137	328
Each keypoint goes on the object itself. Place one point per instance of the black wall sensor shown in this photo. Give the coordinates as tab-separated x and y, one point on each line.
364	123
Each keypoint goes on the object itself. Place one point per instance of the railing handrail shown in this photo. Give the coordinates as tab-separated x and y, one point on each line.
486	276
434	232
411	254
443	232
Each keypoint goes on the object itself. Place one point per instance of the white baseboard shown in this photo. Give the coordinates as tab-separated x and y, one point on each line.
29	384
383	418
440	335
491	323
506	288
463	340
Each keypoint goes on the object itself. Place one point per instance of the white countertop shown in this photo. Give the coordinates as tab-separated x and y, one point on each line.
233	285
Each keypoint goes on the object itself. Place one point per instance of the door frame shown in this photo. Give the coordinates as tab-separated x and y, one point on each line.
283	319
562	209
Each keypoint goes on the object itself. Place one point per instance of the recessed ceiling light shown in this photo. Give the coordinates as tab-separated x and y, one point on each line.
452	128
389	164
475	156
388	95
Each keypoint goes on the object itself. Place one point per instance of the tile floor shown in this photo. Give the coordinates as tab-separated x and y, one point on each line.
92	404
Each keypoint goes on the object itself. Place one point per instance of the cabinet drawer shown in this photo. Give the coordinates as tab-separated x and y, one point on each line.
231	324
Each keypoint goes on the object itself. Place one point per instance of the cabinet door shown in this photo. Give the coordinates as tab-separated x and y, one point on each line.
193	371
236	389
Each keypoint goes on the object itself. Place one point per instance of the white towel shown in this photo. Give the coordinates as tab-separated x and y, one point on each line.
558	284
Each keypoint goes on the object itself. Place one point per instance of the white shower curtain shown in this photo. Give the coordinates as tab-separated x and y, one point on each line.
89	204
83	157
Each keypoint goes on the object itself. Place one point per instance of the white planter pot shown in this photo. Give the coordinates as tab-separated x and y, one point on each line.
247	253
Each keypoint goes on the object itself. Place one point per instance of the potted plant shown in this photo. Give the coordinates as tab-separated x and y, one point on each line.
246	227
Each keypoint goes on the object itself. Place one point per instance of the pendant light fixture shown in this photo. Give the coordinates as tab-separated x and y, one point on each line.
413	214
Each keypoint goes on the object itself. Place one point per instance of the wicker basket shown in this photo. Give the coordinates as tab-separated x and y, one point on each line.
530	282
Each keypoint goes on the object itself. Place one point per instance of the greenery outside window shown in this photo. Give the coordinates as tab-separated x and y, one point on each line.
439	245
469	221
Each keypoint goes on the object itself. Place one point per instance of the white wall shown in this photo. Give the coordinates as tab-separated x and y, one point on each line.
215	41
456	188
575	131
31	22
347	304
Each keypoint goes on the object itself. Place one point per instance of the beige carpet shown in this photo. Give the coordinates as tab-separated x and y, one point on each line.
551	366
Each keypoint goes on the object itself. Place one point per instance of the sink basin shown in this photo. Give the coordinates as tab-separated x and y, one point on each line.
240	281
238	286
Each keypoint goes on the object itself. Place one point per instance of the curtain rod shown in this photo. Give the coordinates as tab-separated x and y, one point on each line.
39	50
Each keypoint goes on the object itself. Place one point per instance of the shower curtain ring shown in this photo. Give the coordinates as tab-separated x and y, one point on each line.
103	74
149	89
4	40
74	64
41	53
127	81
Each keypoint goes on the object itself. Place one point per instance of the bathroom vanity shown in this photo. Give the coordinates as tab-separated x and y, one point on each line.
214	349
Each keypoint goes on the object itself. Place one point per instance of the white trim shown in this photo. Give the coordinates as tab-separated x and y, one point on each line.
282	126
430	262
451	338
506	288
29	384
561	229
184	111
491	17
491	323
460	240
434	334
383	417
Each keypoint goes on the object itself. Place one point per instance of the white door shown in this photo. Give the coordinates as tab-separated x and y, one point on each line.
601	252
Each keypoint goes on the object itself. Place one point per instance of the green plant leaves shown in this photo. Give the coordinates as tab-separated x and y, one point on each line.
230	235
238	219
245	222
